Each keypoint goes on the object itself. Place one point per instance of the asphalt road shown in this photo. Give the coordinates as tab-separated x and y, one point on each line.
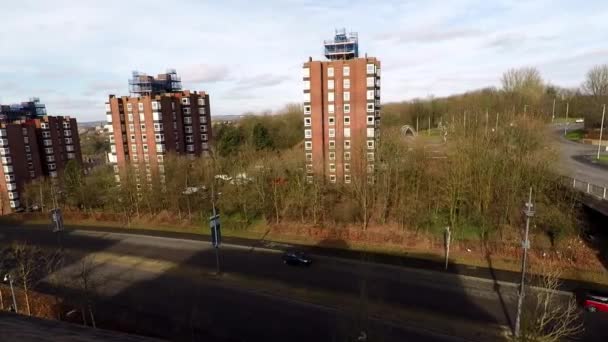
568	166
148	281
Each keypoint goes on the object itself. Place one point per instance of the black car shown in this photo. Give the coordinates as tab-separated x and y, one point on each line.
296	258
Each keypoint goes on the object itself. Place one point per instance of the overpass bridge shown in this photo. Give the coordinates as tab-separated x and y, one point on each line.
594	196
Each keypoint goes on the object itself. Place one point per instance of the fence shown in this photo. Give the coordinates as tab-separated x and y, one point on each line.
591	189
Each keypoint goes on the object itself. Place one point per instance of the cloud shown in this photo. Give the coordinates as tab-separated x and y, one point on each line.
430	35
204	73
105	88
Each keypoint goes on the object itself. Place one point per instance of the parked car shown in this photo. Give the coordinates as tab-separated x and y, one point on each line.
296	258
595	301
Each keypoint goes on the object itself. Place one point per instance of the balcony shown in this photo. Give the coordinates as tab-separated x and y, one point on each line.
8	169
3	132
11	186
157	116
160	148
3	142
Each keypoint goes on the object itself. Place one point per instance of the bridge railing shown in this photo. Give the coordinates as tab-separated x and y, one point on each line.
598	191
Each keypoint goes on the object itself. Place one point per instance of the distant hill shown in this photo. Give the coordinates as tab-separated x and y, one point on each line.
90	124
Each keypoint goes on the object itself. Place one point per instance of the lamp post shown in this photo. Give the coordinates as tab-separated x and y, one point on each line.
529	212
599	146
9	278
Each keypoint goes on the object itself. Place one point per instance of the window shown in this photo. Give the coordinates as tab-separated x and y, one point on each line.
71	155
145	148
131	128
347	96
130	117
306	109
158	127
306	97
186	101
44	125
347	132
174	116
204	137
69	148
201	111
26	140
332	132
370	144
307	122
347	146
9	178
332	155
33	174
307	133
70	141
332	178
186	110
308	145
47	142
52	166
48	150
144	138
140	106
331	120
370	156
346	83
370	119
201	101
159	137
189	139
330	72
142	117
347	166
46	134
330	96
370	94
332	167
309	168
371	68
332	144
205	146
306	72
28	156
378	72
308	156
370	168
50	158
155	105
146	158
346	108
133	148
188	120
203	128
132	137
203	119
346	71
347	120
129	107
142	127
188	129
330	109
370	132
347	179
370	82
330	84
370	107
306	85
160	158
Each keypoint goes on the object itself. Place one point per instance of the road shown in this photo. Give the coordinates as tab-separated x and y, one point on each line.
166	284
570	167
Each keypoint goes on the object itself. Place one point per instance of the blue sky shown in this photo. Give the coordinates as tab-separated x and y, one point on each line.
248	54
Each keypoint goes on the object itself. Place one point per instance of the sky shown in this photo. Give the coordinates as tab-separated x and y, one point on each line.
248	54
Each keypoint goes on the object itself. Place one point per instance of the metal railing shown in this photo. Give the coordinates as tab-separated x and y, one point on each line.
598	191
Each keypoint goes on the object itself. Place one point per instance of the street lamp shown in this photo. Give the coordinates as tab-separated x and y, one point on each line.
529	211
9	278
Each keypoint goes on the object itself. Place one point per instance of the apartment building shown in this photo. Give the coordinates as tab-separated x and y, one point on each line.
21	111
34	148
144	129
341	112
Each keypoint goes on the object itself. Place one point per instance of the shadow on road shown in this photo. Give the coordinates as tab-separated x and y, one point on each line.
167	289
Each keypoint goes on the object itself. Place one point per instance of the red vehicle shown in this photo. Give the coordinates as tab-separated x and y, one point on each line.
596	302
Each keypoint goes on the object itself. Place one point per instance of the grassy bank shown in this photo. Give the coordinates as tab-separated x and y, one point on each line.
575	135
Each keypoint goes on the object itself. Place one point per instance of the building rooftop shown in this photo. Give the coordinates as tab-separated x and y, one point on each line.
143	84
342	46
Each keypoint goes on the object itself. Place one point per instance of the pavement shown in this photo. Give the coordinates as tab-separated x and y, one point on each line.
164	287
571	166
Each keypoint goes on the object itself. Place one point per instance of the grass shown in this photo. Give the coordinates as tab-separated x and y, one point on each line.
603	159
564	120
575	135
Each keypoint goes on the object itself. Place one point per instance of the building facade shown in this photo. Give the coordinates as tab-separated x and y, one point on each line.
34	148
341	112
21	111
144	129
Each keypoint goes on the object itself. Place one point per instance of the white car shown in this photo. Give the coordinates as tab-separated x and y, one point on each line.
579	120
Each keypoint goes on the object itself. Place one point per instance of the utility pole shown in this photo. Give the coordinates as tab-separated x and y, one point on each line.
417	119
215	231
487	121
448	235
529	212
566	125
429	131
496	128
525	110
599	146
553	111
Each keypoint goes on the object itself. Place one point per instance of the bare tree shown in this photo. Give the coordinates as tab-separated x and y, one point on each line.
524	81
86	280
596	82
551	316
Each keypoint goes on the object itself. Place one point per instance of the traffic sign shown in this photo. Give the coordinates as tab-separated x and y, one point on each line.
216	235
